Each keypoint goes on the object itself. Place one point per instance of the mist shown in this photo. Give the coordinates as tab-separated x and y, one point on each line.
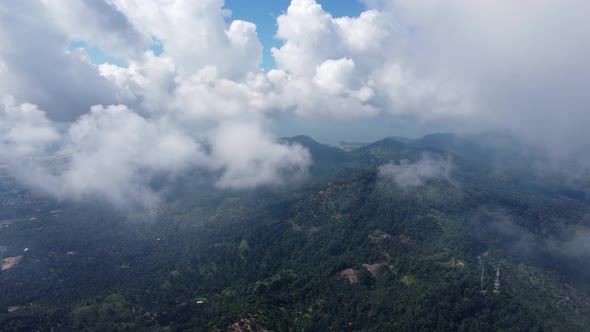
407	175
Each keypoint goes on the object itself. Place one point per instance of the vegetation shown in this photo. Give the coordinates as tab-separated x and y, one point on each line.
423	258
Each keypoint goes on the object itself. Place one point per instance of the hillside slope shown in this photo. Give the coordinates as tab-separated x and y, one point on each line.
352	248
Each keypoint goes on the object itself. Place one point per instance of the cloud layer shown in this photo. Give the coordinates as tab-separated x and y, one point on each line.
204	102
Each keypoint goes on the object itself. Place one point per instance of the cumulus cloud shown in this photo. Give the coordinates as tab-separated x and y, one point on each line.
325	61
356	67
334	76
100	24
408	175
114	154
148	82
201	104
24	130
37	67
196	35
212	75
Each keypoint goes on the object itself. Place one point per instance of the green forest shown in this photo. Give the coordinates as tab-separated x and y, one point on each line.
487	244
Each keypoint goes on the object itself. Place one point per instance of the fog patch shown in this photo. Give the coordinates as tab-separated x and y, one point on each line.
407	175
250	158
573	242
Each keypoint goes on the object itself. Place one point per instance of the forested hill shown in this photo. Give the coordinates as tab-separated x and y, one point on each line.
398	235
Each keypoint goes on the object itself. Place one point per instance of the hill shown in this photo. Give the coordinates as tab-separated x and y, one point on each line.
393	236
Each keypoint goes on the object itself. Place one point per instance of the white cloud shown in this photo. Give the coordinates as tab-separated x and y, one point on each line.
205	95
24	130
518	65
101	25
359	61
148	82
334	76
195	35
407	175
37	67
205	87
206	76
249	158
114	154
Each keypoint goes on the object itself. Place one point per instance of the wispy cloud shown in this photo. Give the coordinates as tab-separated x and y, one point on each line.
407	175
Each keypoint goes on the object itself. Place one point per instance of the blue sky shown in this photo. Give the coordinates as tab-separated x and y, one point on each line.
96	55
